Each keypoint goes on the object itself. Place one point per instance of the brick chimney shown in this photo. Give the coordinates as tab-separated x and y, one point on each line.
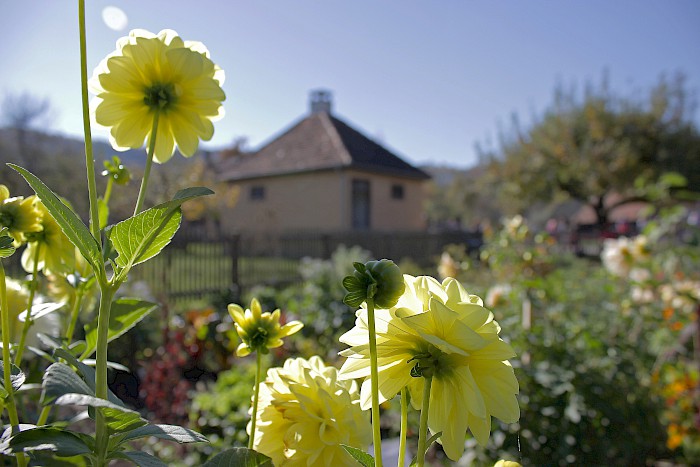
320	100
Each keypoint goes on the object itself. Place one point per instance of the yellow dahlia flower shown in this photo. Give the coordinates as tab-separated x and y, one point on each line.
305	413
441	329
18	214
259	331
160	74
56	252
505	463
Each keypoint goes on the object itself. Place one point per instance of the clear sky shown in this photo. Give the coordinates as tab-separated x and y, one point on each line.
428	79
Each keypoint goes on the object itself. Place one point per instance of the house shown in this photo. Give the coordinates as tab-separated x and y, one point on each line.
322	175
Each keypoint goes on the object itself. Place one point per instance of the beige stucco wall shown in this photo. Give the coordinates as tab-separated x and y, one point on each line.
386	213
321	201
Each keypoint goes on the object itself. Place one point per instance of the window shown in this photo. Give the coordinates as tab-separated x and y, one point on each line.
257	192
397	191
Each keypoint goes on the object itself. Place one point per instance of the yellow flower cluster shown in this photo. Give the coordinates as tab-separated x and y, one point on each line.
439	329
306	413
259	331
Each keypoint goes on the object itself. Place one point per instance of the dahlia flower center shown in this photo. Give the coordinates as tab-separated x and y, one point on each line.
160	96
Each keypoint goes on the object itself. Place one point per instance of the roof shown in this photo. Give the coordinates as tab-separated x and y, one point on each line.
318	142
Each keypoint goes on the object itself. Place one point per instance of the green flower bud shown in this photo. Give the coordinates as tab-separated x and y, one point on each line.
116	171
380	280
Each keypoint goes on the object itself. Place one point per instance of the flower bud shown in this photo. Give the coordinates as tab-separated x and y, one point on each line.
380	280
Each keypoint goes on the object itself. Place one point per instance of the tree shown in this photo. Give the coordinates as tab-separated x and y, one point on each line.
595	150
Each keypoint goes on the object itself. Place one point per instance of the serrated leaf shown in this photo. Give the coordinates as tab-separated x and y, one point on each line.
125	314
143	236
168	432
6	244
62	443
119	421
239	457
17	376
142	459
70	223
359	455
60	379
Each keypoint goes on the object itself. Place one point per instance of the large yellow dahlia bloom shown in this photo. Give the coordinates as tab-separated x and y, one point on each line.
160	74
305	413
439	328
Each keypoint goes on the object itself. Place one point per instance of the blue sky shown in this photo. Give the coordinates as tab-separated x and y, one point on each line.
427	79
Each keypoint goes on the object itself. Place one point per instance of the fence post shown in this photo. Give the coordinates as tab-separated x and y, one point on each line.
234	253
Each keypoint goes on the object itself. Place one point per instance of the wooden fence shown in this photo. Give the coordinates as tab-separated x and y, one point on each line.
200	266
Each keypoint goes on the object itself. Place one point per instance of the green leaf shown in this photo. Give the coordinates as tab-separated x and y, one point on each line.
167	432
90	401
86	372
120	421
125	314
70	223
60	379
142	459
239	457
6	244
143	236
17	377
359	455
62	443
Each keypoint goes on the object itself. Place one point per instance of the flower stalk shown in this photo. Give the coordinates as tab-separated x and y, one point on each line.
149	163
89	159
101	389
404	427
33	284
423	430
256	397
374	381
7	367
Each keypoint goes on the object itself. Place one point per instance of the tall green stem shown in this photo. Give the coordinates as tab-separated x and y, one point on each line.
89	160
423	433
256	392
30	304
404	427
374	382
74	314
101	389
7	367
149	163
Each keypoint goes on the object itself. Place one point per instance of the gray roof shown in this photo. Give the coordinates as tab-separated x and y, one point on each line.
318	142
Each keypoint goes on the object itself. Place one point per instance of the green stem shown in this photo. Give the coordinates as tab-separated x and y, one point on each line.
256	392
149	163
30	304
108	189
101	390
89	159
404	427
374	381
7	367
423	433
44	415
74	314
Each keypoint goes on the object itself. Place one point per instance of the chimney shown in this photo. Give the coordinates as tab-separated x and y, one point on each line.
320	100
